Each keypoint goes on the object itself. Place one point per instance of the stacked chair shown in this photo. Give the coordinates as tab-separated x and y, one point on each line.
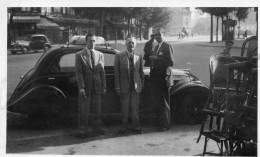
232	87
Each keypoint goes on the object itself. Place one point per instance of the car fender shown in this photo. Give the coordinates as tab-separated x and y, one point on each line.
27	46
184	87
46	88
47	44
177	92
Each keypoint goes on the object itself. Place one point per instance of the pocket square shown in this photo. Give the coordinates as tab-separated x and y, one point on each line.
160	53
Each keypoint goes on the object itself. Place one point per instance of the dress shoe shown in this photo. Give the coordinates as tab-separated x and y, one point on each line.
139	131
163	128
100	132
122	131
81	135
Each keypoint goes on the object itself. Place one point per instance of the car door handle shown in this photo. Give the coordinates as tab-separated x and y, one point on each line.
51	78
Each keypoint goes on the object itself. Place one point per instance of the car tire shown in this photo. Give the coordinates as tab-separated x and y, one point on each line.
13	52
189	111
25	50
46	48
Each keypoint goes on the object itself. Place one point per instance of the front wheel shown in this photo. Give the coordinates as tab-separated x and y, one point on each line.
25	50
13	52
189	111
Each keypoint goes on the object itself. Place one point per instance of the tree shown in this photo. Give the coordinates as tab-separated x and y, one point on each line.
218	12
241	14
211	12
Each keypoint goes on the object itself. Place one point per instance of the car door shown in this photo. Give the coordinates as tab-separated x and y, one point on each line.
37	42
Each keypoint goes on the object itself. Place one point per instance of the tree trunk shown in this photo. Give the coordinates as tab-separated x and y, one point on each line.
128	25
222	31
217	30
238	29
211	27
141	31
101	22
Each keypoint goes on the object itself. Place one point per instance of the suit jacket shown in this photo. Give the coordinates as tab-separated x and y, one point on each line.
148	51
122	72
164	61
88	76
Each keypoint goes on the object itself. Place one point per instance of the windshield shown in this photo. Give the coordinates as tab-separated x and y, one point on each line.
80	40
37	38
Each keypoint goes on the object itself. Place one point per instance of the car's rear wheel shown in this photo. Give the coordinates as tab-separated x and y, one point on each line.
13	52
190	108
25	49
45	111
46	48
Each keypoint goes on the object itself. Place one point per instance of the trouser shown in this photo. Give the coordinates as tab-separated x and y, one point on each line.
130	101
159	100
84	103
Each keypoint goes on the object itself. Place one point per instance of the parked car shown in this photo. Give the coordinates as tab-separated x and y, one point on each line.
34	43
49	90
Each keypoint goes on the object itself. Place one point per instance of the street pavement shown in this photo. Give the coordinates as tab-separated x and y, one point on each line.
179	140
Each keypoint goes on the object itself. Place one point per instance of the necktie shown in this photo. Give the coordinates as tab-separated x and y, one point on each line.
92	58
131	60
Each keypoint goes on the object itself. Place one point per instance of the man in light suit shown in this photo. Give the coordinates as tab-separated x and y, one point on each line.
90	74
162	62
129	81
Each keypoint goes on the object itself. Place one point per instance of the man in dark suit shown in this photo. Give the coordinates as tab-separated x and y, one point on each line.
90	74
162	61
129	81
148	50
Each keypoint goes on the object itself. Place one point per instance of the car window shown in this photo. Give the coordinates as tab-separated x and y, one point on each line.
109	59
67	63
37	38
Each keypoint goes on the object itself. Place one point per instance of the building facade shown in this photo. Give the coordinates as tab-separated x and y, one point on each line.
60	23
180	20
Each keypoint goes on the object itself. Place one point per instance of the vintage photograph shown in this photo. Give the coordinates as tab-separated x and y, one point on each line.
132	80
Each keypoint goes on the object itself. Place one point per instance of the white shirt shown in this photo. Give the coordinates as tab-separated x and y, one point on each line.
160	44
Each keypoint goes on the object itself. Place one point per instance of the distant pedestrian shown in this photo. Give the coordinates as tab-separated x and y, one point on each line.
246	34
90	74
161	62
180	36
148	50
129	81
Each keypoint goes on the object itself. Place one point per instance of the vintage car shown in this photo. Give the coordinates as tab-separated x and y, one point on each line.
34	43
49	91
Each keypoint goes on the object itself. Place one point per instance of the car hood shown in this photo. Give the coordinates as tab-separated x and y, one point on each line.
23	42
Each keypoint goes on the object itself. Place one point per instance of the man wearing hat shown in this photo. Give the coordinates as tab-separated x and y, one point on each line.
148	50
162	60
227	48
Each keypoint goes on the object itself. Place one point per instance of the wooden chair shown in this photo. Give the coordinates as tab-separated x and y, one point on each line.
215	112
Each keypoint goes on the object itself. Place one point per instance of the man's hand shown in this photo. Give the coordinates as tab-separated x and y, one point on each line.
118	91
82	92
103	91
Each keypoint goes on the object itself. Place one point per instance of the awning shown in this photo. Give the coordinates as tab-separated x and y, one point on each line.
26	19
47	24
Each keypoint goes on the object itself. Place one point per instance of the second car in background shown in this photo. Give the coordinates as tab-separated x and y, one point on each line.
33	43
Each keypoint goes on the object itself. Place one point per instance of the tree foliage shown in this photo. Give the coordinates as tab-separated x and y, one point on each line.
242	13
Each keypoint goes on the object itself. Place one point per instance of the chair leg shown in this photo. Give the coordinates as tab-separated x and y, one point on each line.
221	147
205	146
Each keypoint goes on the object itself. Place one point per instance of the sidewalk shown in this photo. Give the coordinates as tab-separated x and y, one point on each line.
237	43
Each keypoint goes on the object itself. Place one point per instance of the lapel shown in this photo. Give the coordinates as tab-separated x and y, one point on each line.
86	57
158	49
135	58
96	57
